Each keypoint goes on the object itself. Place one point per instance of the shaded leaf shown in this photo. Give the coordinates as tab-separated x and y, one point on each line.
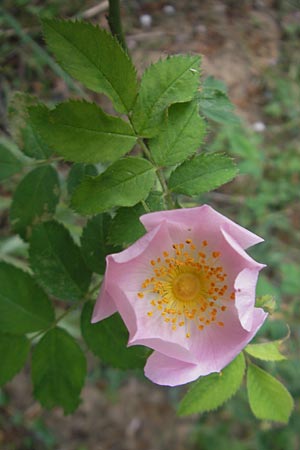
34	200
202	174
212	391
13	354
57	262
124	183
94	246
108	340
126	227
58	370
173	80
81	132
76	175
9	164
24	307
89	53
268	398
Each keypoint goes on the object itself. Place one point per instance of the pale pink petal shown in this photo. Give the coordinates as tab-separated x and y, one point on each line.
205	218
104	307
162	369
245	286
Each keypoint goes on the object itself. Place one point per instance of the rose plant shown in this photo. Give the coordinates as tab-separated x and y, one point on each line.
178	289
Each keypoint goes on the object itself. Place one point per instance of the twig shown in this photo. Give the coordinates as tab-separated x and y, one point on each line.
94	10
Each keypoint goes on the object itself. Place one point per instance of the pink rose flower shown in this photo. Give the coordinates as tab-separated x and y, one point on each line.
186	289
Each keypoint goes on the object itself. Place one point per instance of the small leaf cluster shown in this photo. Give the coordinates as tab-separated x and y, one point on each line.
76	157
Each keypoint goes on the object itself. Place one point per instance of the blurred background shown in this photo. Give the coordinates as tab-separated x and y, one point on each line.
252	49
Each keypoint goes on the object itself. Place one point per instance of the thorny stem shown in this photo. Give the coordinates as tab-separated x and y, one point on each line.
58	319
114	22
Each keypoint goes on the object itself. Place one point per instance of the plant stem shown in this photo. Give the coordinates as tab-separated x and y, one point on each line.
160	175
115	24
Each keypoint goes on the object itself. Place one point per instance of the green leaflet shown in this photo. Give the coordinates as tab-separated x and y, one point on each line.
13	354
173	80
9	164
34	200
213	390
58	370
108	340
268	398
124	183
268	351
77	173
202	174
180	136
24	306
94	57
57	262
214	102
81	132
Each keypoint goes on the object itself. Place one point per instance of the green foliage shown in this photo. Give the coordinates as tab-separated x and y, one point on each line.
57	262
212	391
201	174
9	164
173	80
126	227
76	175
214	102
108	340
180	136
94	246
24	307
268	398
58	370
290	274
89	53
21	128
124	183
13	354
268	351
81	132
34	200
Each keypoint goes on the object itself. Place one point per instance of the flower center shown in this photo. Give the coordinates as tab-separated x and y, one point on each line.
186	286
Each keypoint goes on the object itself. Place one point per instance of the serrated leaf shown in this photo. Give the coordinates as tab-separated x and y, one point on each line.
214	102
124	183
267	351
58	370
21	129
94	246
24	306
9	164
202	174
57	262
180	136
94	57
34	200
108	340
210	392
81	132
76	175
173	80
126	227
13	354
268	398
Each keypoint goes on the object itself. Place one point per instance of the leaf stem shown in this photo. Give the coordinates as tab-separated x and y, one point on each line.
58	319
114	22
159	173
